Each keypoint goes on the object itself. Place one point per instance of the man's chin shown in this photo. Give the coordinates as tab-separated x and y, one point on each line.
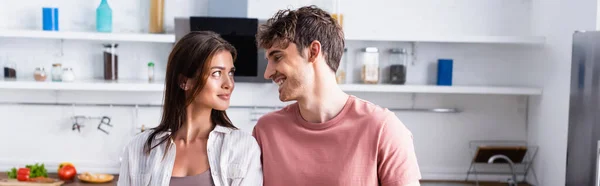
284	98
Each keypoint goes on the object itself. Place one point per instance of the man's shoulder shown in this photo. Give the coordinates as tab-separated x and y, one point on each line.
373	112
276	117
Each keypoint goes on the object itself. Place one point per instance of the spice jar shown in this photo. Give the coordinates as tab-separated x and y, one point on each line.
39	74
398	64
56	72
68	75
10	70
150	71
340	74
111	62
370	65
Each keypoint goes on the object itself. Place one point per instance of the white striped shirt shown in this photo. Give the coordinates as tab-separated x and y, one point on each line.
233	156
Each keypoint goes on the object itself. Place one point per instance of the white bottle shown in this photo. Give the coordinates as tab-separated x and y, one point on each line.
150	71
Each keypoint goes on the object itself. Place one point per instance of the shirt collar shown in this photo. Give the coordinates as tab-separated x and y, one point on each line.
222	129
218	128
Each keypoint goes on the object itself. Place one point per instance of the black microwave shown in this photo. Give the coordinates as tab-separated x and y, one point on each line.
241	33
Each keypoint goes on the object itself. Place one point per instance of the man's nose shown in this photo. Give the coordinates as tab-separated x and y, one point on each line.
269	71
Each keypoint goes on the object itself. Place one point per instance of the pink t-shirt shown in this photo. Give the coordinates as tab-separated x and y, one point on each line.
363	145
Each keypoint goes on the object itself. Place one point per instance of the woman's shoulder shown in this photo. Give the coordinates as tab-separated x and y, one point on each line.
242	139
139	140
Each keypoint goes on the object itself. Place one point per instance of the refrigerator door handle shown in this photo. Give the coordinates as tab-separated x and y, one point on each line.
598	164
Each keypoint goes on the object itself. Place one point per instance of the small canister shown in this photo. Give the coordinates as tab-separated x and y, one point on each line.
39	74
340	74
398	64
56	72
68	75
370	65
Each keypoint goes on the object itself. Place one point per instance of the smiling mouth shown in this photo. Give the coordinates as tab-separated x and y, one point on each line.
224	96
279	81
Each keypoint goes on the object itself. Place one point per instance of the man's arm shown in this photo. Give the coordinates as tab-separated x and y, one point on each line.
396	158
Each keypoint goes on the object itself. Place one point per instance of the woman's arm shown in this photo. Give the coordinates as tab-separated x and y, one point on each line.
124	178
254	174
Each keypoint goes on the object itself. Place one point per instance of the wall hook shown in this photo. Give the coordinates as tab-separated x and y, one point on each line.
104	121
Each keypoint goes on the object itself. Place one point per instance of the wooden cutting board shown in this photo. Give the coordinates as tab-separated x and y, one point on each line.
14	182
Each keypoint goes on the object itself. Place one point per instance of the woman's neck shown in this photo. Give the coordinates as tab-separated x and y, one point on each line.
197	125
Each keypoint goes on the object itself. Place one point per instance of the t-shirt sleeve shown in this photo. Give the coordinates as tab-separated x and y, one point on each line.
396	159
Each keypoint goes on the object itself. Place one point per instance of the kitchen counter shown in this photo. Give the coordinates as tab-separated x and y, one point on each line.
465	183
75	182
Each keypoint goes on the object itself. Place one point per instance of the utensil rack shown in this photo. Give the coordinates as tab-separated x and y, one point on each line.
519	152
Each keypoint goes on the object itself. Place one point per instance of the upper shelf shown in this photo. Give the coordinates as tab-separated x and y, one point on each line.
457	89
170	38
144	86
453	39
92	36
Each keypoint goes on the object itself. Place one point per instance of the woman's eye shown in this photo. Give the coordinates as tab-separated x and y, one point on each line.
216	74
231	73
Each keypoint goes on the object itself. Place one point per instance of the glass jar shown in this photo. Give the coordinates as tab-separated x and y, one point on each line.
10	70
340	74
56	72
111	62
398	65
370	65
39	74
68	75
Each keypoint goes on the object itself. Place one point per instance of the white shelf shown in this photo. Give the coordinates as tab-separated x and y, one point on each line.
170	38
453	39
144	86
85	85
90	36
442	89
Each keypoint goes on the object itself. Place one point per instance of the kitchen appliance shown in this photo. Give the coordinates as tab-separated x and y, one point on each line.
583	146
241	33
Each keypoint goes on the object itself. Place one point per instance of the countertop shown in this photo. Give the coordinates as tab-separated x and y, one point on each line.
464	183
75	182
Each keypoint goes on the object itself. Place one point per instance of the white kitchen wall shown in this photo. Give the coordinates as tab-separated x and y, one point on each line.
441	140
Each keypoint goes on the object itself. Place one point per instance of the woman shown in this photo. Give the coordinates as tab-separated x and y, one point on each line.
195	142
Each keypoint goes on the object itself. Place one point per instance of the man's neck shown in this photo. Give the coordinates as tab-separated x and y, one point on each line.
324	102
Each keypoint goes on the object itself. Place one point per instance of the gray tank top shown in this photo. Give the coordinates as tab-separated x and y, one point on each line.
202	179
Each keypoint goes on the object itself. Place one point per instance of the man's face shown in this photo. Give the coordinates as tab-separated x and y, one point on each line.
289	70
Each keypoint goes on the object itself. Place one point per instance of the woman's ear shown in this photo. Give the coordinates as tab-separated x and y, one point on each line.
183	82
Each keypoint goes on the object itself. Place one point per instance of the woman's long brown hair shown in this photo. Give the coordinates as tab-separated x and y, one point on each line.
190	58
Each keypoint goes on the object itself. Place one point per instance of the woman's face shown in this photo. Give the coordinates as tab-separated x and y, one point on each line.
216	92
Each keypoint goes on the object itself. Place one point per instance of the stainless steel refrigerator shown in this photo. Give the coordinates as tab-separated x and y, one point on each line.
583	147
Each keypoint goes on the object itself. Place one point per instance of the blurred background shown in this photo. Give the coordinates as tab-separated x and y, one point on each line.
469	78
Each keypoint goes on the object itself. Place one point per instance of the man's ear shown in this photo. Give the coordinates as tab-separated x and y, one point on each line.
314	49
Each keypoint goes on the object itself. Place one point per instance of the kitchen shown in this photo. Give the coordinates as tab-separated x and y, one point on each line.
509	78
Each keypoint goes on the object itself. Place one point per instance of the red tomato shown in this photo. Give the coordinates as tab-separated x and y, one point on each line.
23	174
67	172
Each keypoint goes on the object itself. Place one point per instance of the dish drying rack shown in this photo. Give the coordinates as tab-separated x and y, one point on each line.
519	152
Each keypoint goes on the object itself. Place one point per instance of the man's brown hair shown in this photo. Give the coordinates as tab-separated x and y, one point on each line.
301	27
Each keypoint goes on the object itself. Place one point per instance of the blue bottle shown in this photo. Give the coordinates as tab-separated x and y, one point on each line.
104	17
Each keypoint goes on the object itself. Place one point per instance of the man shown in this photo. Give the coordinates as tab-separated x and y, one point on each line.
327	137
